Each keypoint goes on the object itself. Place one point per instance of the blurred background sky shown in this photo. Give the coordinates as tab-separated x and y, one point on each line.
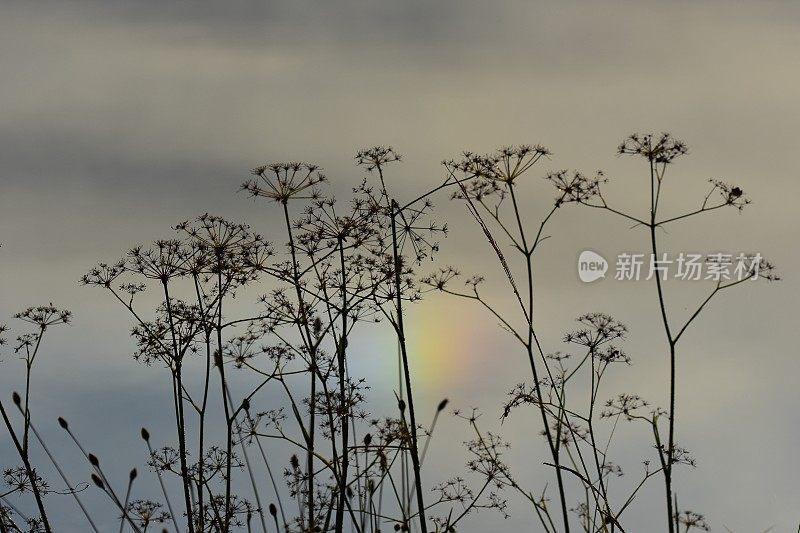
119	119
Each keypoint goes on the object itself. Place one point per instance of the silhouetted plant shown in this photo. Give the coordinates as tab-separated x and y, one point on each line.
661	151
342	268
26	479
486	184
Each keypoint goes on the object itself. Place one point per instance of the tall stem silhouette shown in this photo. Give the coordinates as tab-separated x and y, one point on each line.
305	332
401	337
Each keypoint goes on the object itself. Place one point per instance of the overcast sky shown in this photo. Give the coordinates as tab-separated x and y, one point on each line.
119	119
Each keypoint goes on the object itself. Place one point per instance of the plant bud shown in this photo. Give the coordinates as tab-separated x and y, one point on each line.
442	405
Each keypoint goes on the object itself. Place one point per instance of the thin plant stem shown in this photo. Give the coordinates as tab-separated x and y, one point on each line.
400	330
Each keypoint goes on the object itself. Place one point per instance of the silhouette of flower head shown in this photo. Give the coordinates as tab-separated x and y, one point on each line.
440	279
662	149
760	268
731	194
598	329
691	520
145	513
44	316
420	234
414	230
221	247
166	260
504	166
575	187
104	274
284	181
19	481
627	405
323	226
376	157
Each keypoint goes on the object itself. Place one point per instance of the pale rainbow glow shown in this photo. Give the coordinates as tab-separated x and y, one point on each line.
445	338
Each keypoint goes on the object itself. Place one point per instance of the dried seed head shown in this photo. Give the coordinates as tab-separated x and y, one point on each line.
283	181
663	149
